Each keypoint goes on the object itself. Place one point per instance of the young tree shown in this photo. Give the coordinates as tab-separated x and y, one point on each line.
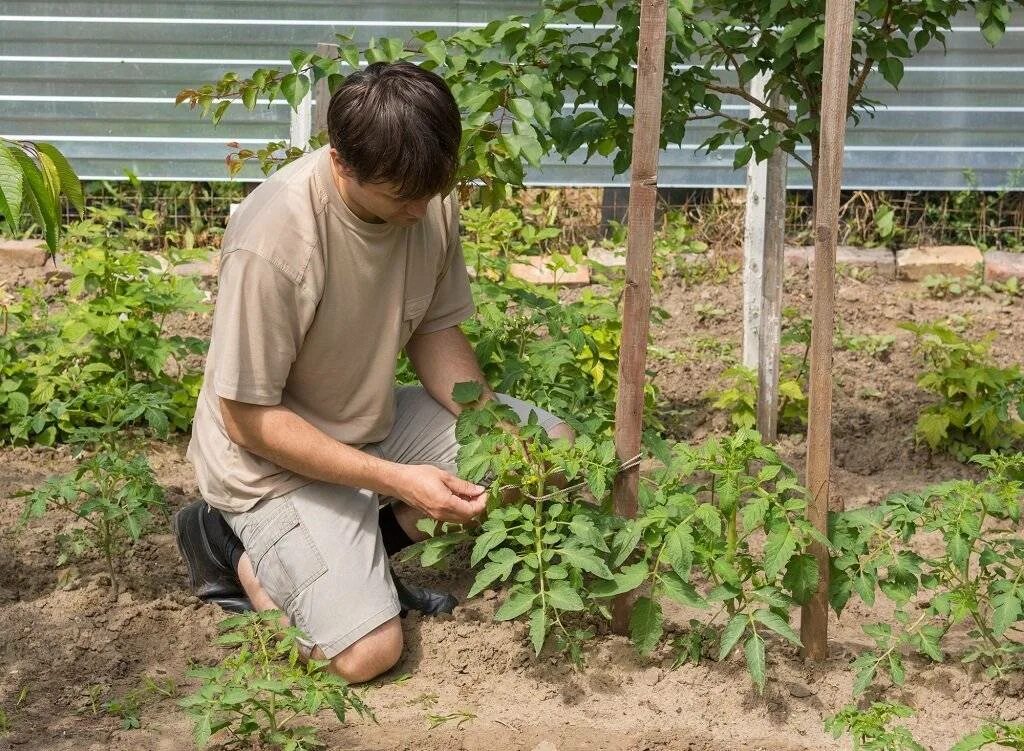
554	82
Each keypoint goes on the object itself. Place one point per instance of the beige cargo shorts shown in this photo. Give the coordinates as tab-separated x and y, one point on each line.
318	552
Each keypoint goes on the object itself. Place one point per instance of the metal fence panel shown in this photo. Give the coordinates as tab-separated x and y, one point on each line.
98	79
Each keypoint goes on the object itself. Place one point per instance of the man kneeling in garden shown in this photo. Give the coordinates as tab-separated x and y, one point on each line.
316	467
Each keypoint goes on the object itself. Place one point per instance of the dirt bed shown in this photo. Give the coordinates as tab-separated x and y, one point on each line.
66	648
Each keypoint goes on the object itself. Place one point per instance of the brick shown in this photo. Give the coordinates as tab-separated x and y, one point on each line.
1001	266
880	260
23	253
952	260
204	269
536	271
611	257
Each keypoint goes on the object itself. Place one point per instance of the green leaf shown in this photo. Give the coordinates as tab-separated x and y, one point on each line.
753	650
864	668
521	108
626	580
731	634
778	624
625	541
467	392
11	183
679	549
972	742
485	543
645	625
681	591
490	573
519	600
933	427
538	629
1007	611
891	69
588	13
585	560
563	596
435	50
801	577
294	88
39	197
778	549
742	155
69	182
587	533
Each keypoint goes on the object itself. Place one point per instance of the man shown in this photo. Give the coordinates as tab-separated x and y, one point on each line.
328	270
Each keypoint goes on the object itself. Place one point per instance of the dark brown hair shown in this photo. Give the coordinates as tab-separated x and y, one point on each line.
397	123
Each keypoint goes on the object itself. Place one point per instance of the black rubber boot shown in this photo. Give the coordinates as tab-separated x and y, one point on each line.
426	601
208	547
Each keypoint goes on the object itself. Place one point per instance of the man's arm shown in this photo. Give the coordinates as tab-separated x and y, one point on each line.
282	437
443	358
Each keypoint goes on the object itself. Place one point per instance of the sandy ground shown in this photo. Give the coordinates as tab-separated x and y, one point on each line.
69	648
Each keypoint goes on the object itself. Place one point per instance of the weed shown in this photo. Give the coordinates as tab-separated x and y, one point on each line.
105	347
870	729
459	718
976	579
982	405
114	496
257	694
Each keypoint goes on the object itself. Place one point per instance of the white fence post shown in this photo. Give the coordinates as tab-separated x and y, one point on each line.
753	240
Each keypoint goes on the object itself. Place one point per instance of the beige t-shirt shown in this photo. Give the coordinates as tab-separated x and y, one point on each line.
313	307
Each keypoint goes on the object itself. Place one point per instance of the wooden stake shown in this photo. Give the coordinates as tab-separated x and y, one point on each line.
321	93
643	193
770	323
835	82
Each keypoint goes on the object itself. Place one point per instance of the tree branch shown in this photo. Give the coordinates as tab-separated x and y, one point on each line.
776	115
746	125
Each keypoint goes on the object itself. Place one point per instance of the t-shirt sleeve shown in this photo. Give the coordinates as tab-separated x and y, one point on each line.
259	323
452	302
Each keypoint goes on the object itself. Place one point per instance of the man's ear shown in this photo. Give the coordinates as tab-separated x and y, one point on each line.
341	165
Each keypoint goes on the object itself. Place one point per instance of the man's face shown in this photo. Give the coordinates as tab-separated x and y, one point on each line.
378	201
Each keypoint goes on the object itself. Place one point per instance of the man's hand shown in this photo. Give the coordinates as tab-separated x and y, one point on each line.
439	494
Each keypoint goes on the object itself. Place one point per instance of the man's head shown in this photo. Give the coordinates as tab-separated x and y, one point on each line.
394	130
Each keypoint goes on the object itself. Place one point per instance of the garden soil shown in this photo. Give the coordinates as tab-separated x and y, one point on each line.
66	649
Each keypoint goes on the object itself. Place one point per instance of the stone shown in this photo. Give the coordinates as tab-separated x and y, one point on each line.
796	256
914	264
535	270
23	253
880	260
1001	266
545	746
799	690
611	257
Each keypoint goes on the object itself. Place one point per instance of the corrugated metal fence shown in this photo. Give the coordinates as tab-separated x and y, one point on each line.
98	79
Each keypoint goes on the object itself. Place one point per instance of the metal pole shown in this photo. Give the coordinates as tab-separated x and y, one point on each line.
643	193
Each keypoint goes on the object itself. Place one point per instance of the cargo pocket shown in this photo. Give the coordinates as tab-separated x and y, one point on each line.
284	557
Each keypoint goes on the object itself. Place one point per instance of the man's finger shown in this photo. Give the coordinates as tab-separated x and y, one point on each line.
463	487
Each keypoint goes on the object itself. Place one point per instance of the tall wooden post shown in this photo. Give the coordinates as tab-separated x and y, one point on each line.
769	330
835	82
321	93
643	193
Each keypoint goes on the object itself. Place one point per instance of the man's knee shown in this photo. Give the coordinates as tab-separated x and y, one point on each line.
562	430
372	655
